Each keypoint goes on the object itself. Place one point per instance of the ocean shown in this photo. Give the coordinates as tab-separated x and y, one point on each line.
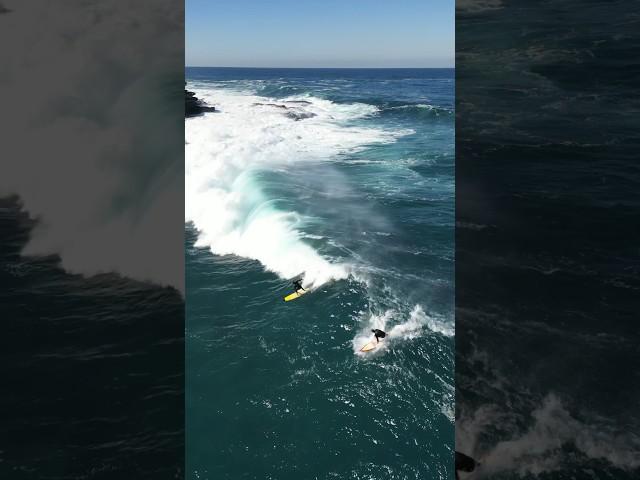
344	178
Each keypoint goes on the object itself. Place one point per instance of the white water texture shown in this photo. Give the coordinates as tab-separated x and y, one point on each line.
224	151
407	328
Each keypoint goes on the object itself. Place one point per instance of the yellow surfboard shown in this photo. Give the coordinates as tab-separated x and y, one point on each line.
294	295
369	346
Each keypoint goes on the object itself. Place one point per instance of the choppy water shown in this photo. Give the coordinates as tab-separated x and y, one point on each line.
346	177
93	371
547	337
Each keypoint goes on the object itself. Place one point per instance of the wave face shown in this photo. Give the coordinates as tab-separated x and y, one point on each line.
311	171
224	153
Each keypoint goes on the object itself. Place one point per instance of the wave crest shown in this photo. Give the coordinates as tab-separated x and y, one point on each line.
225	150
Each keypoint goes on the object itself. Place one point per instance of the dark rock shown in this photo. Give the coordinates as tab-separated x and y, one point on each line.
195	106
293	112
271	105
300	115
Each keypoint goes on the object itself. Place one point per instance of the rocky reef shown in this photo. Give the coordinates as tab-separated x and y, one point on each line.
294	112
194	106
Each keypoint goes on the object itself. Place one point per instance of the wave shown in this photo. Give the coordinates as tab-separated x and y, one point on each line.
224	152
540	448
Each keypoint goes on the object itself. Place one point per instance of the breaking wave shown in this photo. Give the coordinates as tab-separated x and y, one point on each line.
226	150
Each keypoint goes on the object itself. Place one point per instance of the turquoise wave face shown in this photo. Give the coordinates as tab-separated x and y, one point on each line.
344	177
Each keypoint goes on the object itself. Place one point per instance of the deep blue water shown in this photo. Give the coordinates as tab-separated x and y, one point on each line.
347	178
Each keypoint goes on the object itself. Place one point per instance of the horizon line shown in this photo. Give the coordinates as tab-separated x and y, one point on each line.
332	68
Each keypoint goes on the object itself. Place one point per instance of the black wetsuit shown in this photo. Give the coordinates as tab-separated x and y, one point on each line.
298	285
379	334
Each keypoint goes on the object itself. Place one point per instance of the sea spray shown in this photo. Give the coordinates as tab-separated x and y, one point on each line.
225	150
411	327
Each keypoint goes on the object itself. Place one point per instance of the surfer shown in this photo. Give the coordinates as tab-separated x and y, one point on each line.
378	334
298	285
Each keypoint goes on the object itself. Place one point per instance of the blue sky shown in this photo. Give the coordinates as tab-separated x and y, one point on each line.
320	33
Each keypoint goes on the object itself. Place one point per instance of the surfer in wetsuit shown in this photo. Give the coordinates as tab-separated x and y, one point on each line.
378	334
298	285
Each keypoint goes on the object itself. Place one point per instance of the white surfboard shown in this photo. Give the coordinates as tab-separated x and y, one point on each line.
369	346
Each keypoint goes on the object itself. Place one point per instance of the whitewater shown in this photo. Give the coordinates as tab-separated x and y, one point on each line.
224	150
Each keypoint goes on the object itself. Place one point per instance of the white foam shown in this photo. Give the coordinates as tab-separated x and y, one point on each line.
539	448
224	150
413	327
422	106
416	322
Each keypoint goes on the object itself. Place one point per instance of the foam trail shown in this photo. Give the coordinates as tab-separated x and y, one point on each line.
224	200
413	327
